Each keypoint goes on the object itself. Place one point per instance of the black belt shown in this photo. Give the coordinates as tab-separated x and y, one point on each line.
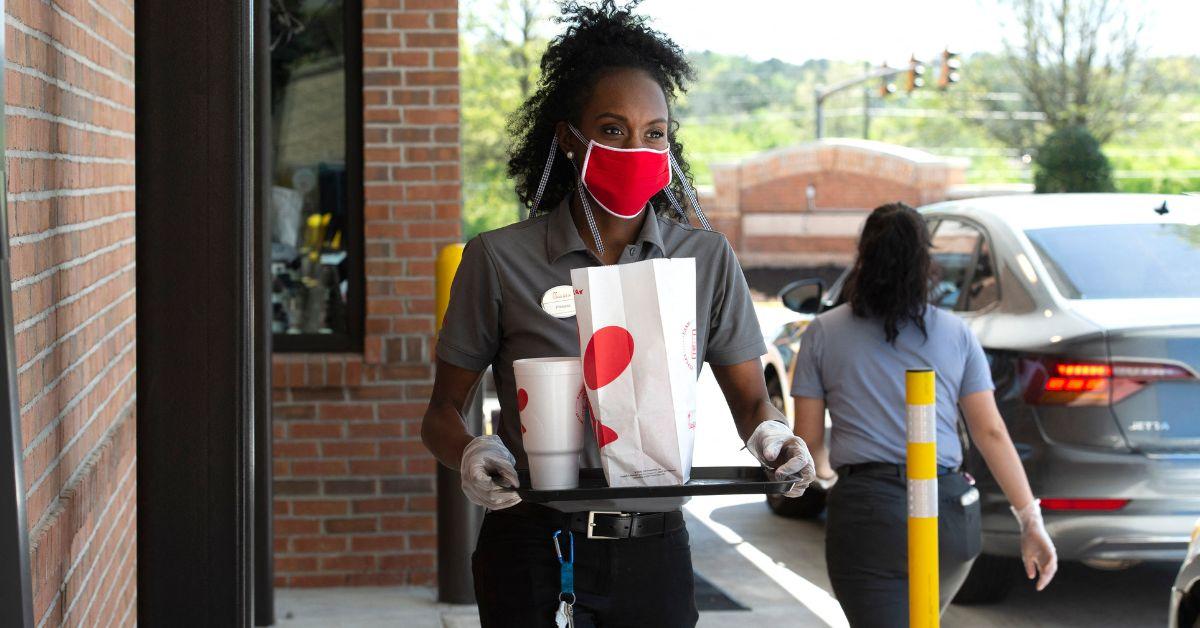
602	524
886	468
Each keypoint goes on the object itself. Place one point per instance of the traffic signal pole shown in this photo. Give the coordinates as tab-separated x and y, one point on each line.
949	74
822	93
866	105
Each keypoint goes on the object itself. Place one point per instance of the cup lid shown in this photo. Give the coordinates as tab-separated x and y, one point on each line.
568	365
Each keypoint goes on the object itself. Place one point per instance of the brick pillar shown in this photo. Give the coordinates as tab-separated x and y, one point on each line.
354	485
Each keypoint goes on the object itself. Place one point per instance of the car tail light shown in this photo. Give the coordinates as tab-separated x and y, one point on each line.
1058	503
1052	381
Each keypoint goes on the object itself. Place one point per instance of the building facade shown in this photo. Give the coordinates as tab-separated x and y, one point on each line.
354	486
69	98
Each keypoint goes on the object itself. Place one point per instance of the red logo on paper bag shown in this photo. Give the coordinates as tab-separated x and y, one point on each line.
604	434
608	354
689	345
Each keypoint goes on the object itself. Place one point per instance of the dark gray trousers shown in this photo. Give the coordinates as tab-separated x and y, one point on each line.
866	544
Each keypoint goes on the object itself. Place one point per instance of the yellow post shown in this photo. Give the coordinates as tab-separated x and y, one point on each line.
447	264
923	605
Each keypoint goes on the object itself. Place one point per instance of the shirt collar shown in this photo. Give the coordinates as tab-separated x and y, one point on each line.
562	237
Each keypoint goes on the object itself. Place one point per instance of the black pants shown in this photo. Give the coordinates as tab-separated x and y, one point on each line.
866	544
631	583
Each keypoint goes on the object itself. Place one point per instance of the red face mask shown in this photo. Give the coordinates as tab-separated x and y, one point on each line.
622	180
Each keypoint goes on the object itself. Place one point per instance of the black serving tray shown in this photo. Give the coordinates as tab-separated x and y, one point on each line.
705	481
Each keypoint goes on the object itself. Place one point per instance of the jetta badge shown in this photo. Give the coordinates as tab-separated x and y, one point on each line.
1149	426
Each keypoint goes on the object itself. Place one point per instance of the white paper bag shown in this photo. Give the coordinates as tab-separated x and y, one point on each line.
637	339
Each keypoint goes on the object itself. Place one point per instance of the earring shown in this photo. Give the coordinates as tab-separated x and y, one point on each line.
570	154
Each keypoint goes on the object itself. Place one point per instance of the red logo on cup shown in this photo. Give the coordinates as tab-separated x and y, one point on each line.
581	404
522	399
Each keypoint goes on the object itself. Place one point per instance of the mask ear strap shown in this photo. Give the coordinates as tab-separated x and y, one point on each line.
675	203
578	134
537	198
587	209
691	194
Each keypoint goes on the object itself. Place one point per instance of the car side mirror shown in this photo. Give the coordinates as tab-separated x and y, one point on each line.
804	296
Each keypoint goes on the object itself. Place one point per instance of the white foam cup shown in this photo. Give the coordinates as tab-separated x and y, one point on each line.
548	397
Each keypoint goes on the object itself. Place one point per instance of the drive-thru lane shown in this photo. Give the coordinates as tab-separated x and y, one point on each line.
776	566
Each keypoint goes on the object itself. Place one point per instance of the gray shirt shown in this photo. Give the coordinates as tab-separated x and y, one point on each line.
847	361
495	314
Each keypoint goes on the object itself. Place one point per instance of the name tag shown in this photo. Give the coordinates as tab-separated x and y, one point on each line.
559	302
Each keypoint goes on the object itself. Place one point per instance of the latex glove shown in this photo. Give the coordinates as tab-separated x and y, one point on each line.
773	442
1037	551
484	460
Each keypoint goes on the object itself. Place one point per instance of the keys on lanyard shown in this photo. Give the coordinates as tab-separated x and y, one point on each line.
565	617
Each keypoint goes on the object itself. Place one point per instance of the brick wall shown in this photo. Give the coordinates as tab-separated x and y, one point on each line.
762	203
354	486
70	157
834	191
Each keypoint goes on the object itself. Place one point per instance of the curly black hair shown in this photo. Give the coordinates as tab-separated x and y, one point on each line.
890	277
599	38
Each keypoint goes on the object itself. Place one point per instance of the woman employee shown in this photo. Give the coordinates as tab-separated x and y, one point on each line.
853	359
597	161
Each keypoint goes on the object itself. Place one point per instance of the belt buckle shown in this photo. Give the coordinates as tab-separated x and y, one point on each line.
591	523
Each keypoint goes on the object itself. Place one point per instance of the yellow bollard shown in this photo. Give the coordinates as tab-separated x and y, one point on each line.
923	605
447	264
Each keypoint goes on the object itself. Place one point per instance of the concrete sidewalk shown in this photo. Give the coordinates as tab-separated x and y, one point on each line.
727	563
369	607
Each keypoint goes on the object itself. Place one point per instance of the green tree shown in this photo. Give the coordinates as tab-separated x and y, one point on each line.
1071	161
500	49
1079	62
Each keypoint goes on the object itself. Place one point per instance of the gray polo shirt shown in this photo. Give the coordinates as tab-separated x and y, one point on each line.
847	361
495	314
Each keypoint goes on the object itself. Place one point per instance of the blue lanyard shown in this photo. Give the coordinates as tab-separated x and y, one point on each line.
566	566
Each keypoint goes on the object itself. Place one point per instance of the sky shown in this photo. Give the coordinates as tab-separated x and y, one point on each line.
880	30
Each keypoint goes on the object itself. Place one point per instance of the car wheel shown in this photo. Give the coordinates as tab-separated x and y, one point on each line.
990	580
810	505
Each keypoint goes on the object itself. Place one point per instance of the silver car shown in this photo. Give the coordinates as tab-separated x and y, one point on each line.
1088	307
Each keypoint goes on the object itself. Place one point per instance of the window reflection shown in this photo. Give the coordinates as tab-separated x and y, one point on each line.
309	263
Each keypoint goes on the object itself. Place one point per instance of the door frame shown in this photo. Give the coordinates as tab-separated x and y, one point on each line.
200	379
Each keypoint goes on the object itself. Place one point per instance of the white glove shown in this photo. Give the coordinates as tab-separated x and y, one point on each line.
1037	551
773	442
484	460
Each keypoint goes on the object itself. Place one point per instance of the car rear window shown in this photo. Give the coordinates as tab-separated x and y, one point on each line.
1126	261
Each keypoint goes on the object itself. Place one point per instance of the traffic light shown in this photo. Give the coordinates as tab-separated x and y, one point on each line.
950	67
886	86
916	75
